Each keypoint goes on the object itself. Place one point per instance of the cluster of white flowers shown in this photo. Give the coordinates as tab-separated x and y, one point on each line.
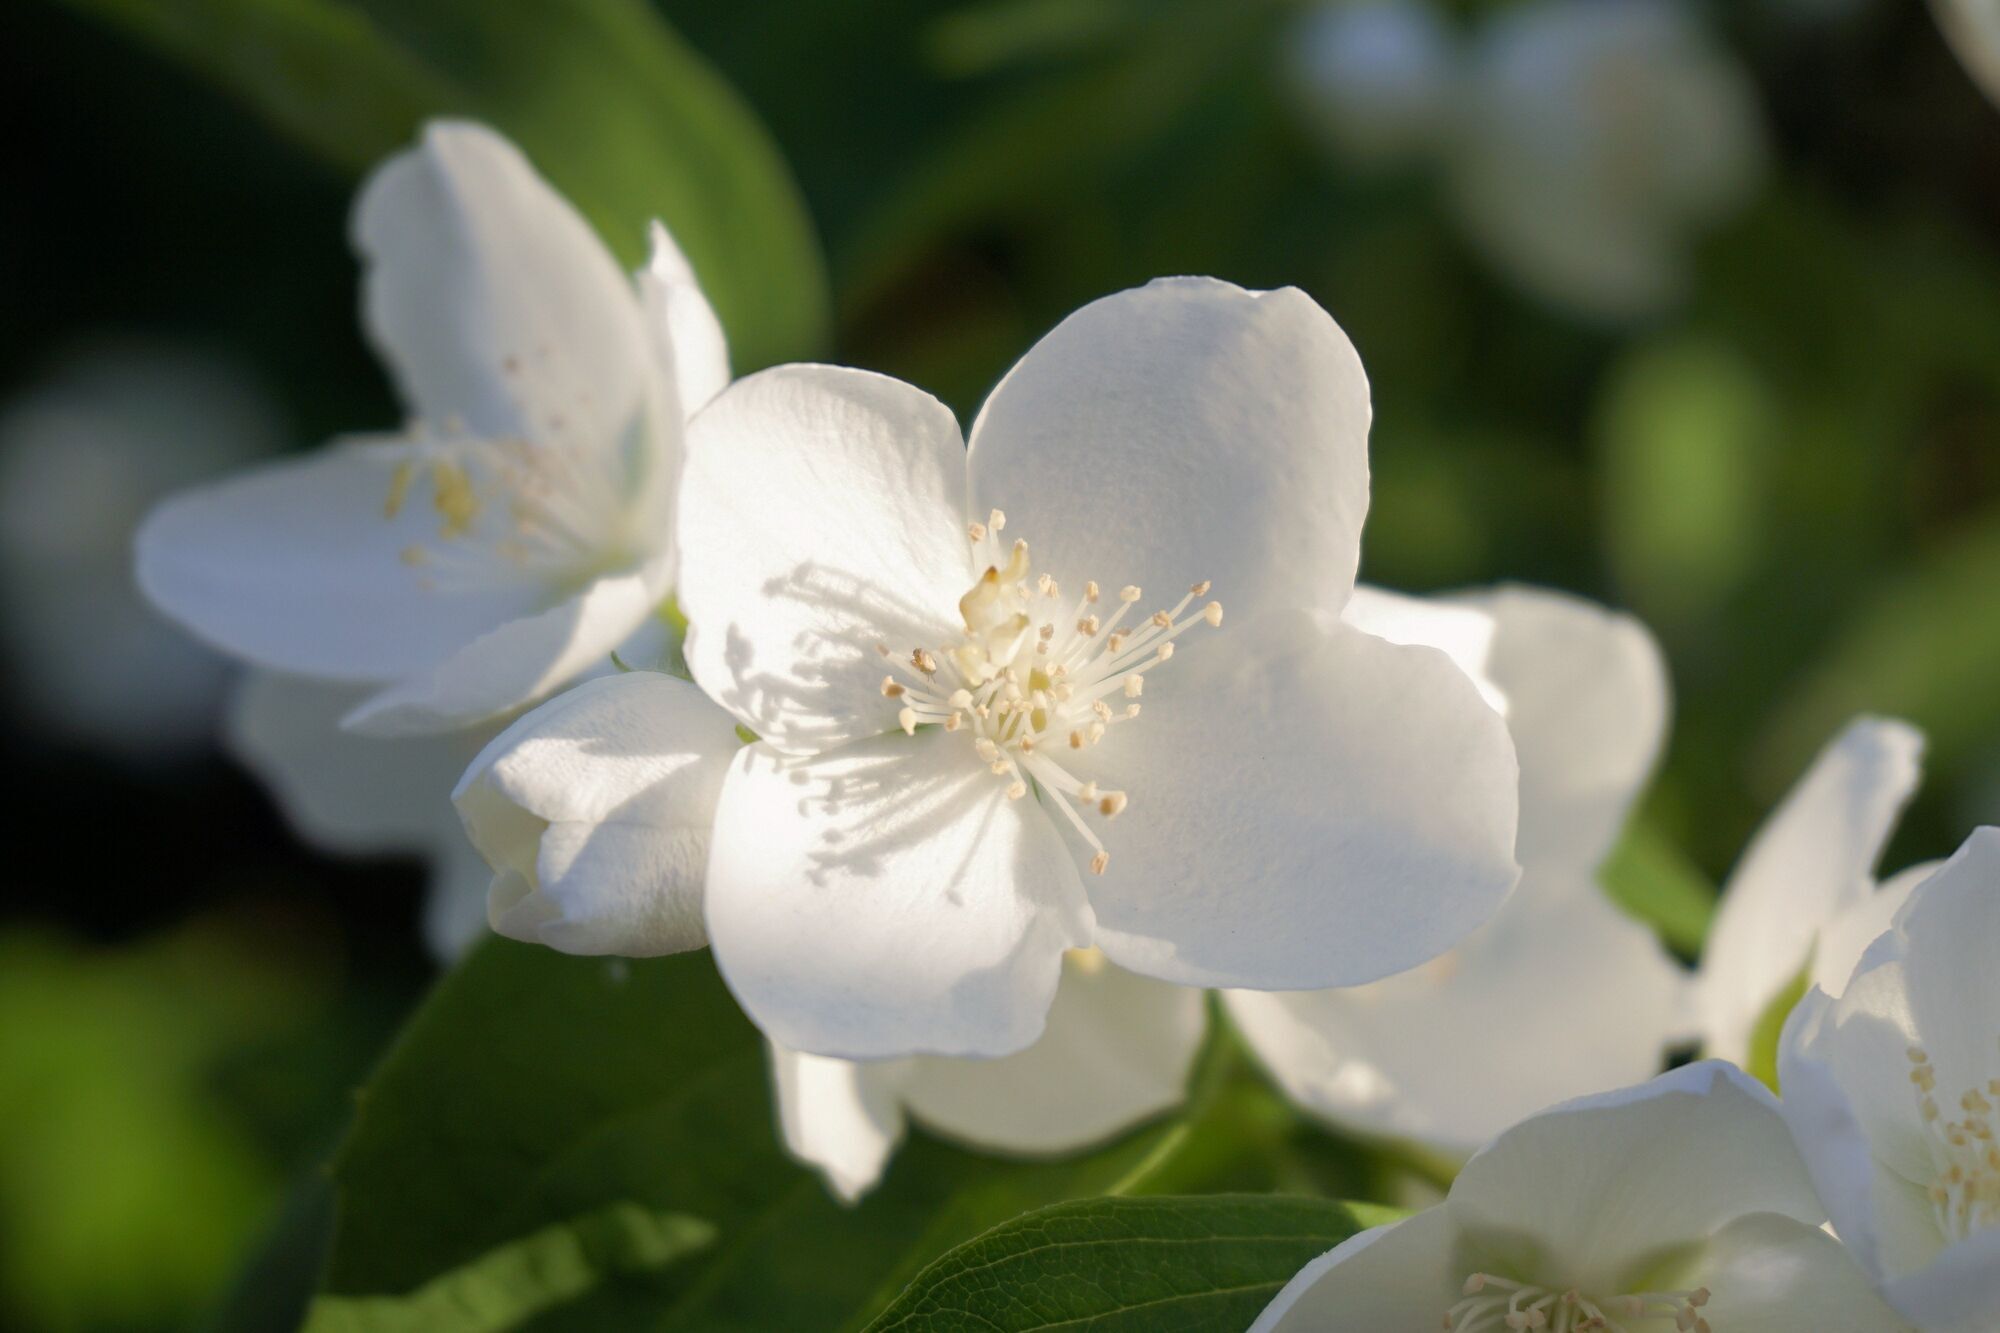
970	832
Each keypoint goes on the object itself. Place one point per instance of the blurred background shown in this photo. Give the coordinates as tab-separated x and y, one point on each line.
1691	308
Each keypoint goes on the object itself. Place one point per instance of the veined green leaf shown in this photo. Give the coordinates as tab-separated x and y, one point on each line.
1209	1262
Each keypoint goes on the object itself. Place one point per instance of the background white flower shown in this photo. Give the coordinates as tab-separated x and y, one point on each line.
1973	28
519	529
1308	804
1378	77
1803	900
1892	1089
1679	1204
1561	993
1597	140
82	456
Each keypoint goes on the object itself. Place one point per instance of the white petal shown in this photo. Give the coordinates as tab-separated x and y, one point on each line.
1846	937
1587	704
1611	1182
594	811
683	324
1853	1113
1310	806
1393	1279
1950	924
1814	856
519	662
491	298
1182	431
1116	1051
1559	996
1960	1293
1462	633
820	515
1778	1275
888	899
454	916
839	1116
299	566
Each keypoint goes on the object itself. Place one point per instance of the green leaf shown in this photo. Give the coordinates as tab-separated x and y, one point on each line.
533	1087
1211	1262
619	112
520	1280
1762	1062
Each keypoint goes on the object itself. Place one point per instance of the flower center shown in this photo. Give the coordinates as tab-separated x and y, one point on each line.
1965	1195
1492	1302
1034	678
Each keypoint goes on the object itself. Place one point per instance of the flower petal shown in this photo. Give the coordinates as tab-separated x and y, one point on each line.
1499	1013
839	1117
820	515
1960	1293
1586	692
1311	806
594	811
1641	1171
888	899
1847	936
299	565
1389	1279
518	663
1950	924
493	301
683	325
1116	1051
1814	856
1778	1275
1186	430
1463	634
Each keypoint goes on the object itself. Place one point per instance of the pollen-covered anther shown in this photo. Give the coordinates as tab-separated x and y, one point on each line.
1134	686
891	688
907	719
1099	862
1016	790
1090	591
1212	613
1112	804
1965	1189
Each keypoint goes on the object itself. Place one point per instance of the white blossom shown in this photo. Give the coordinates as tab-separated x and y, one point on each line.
1891	1083
1679	1204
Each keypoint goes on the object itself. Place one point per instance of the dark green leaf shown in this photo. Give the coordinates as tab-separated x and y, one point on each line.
1140	1264
611	104
534	1087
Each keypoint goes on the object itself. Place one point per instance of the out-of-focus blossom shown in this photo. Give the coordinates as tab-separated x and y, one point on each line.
1679	1204
1973	28
1893	1092
1561	994
1308	804
1803	902
1377	77
82	457
1597	141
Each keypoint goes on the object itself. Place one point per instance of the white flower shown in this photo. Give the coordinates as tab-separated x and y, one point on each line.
1973	28
1116	1052
1803	900
518	529
947	735
1891	1090
1679	1205
1561	993
1377	76
1596	140
82	456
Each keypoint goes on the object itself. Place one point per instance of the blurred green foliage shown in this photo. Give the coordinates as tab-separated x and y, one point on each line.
1793	477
